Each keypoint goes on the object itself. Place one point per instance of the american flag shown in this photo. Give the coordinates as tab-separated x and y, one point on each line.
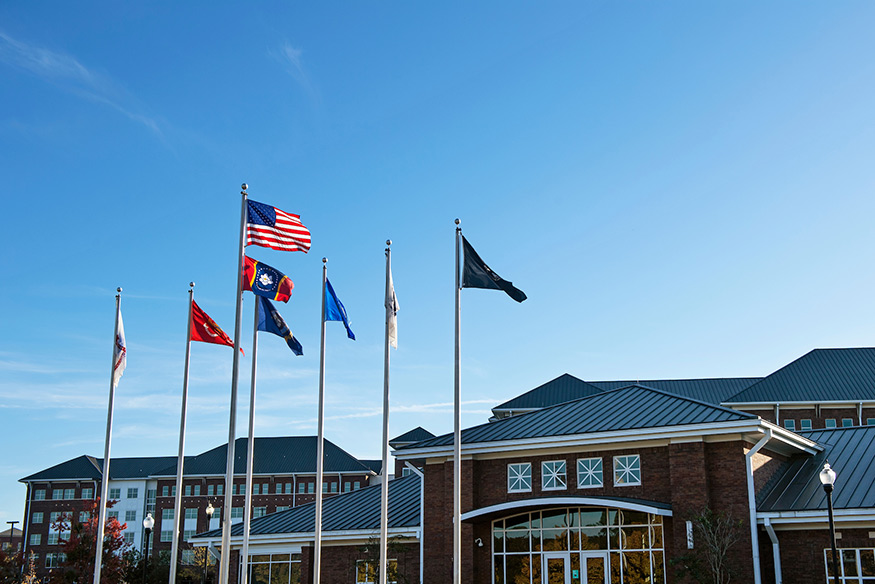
267	226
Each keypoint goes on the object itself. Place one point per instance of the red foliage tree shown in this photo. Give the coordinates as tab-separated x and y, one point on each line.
80	546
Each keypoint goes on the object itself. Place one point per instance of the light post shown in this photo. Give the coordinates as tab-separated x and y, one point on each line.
11	533
148	524
210	511
828	479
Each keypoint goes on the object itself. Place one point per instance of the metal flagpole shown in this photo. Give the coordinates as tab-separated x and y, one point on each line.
457	426
225	563
177	501
317	544
250	455
104	485
384	495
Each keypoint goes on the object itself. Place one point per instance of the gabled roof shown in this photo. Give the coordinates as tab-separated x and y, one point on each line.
279	455
88	468
714	390
139	468
628	408
80	468
822	375
411	436
848	451
564	388
356	510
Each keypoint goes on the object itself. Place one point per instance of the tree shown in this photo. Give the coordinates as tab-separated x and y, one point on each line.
10	566
714	535
77	564
371	553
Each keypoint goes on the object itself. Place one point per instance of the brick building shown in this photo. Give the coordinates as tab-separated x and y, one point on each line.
582	482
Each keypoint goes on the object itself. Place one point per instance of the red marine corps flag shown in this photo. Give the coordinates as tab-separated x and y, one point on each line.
205	329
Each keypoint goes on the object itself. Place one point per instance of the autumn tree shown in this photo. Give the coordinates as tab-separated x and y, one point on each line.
10	566
80	544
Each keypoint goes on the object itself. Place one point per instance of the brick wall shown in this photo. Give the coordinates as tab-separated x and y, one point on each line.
802	558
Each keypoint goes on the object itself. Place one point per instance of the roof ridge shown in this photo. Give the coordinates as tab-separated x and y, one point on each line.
683	397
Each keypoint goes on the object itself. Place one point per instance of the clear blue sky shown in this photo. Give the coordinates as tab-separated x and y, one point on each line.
682	189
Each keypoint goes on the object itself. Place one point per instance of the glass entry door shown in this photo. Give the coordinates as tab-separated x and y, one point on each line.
593	568
556	568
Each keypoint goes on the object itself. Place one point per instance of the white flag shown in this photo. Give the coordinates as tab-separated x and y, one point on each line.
391	311
119	352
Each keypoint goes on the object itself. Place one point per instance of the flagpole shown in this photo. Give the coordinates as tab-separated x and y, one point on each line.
177	500
250	454
317	544
104	483
224	565
457	426
384	495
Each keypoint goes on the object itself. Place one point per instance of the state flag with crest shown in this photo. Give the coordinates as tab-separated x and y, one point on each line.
266	281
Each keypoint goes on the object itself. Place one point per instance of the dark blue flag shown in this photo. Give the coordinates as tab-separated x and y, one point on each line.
334	309
270	321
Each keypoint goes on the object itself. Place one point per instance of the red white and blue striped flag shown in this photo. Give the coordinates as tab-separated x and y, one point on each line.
270	227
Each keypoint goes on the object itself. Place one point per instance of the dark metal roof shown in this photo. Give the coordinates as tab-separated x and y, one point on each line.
714	390
818	376
89	468
629	408
849	451
357	510
279	455
415	435
564	388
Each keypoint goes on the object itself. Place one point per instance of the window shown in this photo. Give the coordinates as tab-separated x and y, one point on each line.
289	488
302	487
278	488
589	473
133	492
553	476
189	558
790	424
627	470
805	425
220	490
39	495
853	563
167	514
84	516
311	488
115	493
130	516
847	422
356	486
191	513
210	491
347	486
830	422
188	534
282	508
167	535
197	490
519	477
236	513
53	538
57	494
259	512
165	492
333	487
69	493
37	517
151	496
87	493
325	487
870	421
255	488
54	516
36	538
129	537
365	571
188	490
53	560
112	515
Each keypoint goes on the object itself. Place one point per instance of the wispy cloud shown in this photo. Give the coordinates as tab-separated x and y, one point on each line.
291	60
67	72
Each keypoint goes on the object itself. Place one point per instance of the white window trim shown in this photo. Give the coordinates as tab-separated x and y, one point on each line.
601	483
565	474
617	474
519	477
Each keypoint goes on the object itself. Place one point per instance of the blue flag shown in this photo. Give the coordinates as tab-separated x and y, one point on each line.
270	321
334	309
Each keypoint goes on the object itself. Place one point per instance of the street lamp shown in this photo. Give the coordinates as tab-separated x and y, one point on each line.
828	479
148	524
210	511
11	534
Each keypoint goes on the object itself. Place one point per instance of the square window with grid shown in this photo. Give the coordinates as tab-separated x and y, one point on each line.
853	564
191	513
553	475
130	515
519	477
115	493
589	473
627	470
133	493
37	517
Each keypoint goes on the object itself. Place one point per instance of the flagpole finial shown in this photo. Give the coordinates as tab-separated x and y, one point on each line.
244	186
191	284
324	260
458	221
388	242
119	289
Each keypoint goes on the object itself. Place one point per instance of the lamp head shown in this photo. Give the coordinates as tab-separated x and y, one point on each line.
827	475
210	509
148	522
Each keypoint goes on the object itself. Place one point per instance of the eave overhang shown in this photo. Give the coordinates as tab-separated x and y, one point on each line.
503	509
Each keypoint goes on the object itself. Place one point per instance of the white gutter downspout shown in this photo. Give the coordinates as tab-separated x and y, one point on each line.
752	505
776	550
422	516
